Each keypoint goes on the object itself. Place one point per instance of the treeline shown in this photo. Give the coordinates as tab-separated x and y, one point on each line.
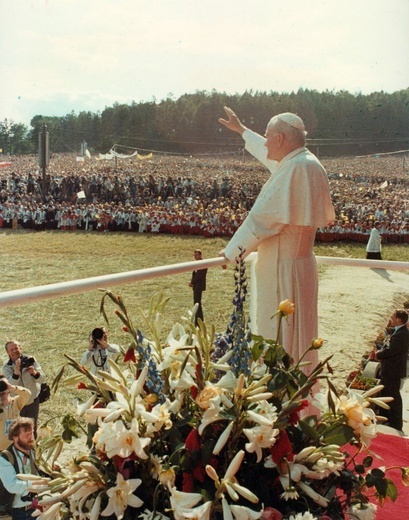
338	123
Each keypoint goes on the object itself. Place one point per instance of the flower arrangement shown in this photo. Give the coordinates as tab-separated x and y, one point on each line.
205	426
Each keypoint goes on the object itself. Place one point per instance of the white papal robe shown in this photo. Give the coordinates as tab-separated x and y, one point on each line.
292	204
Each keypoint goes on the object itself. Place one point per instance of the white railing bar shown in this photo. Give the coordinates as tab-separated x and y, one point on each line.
358	262
56	290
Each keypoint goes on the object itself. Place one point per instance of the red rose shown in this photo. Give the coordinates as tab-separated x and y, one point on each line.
282	448
294	416
193	441
270	513
199	473
187	482
194	392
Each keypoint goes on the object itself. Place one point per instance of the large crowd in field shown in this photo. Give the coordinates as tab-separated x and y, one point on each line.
197	195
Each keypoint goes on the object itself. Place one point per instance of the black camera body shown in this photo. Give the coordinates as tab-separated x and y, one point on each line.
27	361
3	386
97	334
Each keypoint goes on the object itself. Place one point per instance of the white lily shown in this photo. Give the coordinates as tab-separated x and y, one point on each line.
201	512
121	496
223	439
244	513
125	442
182	502
229	381
83	407
259	437
96	508
212	414
319	499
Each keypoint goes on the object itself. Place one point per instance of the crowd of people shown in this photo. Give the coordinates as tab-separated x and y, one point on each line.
189	195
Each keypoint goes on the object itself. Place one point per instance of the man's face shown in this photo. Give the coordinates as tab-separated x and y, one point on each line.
14	351
25	439
395	321
272	143
197	255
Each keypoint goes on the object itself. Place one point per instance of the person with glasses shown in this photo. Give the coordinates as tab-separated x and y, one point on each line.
25	371
293	203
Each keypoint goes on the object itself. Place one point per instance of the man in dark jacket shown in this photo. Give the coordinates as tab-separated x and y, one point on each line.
393	367
198	284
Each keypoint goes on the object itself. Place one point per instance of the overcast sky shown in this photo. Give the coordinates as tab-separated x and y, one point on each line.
59	56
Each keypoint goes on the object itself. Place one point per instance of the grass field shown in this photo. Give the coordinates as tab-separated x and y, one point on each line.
50	328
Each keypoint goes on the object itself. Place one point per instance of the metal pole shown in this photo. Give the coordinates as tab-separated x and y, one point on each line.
44	158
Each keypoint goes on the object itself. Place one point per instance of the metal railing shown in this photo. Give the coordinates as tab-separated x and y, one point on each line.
56	290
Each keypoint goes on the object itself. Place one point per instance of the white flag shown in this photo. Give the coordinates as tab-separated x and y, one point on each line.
384	185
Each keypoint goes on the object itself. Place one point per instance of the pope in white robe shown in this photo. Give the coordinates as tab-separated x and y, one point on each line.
292	204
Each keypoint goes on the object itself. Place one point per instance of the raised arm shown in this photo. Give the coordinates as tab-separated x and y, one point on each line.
233	122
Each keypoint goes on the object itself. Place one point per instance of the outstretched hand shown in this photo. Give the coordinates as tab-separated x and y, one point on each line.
233	122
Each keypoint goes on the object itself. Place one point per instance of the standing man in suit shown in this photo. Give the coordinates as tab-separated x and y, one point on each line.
198	284
393	367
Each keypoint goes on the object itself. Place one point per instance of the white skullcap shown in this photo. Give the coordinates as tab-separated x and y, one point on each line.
292	120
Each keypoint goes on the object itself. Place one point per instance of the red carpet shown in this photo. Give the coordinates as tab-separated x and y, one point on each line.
394	451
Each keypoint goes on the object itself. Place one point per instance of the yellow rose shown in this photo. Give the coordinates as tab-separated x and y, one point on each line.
167	477
286	307
405	476
209	392
317	343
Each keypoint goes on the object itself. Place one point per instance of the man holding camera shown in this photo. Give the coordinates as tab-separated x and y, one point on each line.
24	371
99	351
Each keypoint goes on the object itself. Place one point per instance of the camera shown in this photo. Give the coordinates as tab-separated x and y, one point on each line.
27	361
3	386
97	334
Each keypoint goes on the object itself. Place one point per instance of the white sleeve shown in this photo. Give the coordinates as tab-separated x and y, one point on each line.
255	144
248	236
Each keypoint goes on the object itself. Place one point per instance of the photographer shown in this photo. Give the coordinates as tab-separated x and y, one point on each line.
10	407
96	358
24	371
99	351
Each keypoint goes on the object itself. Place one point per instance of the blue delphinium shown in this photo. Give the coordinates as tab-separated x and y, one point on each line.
238	335
154	381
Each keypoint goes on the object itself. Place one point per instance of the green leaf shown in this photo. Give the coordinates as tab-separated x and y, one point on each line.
308	430
367	462
338	434
391	490
280	380
256	351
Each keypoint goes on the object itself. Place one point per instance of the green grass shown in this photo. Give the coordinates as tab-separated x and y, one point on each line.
50	328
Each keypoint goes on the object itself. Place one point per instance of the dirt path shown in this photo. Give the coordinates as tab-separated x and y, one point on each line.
354	305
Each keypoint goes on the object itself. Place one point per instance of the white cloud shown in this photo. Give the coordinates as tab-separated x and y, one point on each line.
64	55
